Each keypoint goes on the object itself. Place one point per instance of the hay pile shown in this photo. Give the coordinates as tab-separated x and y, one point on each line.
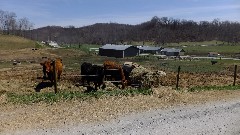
110	86
145	77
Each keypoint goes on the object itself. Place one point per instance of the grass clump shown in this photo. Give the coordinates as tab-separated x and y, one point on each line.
69	95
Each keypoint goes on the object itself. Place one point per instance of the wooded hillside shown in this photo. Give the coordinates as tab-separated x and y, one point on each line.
157	30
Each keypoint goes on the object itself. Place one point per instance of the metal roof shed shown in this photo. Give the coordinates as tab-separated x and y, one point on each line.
118	51
172	52
150	49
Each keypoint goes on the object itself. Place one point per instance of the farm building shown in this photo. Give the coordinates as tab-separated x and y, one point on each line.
53	44
172	52
150	49
118	51
213	54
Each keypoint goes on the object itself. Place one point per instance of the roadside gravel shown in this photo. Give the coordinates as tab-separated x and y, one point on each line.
213	118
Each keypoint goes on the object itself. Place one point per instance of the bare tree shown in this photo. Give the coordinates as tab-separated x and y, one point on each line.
10	22
23	25
2	20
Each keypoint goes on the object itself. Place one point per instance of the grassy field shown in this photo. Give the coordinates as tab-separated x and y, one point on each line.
74	55
194	66
202	48
9	42
82	47
224	50
190	48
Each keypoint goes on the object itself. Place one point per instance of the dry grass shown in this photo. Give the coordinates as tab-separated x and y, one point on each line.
13	43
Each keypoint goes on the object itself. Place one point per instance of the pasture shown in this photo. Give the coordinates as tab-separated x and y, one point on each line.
22	91
24	78
194	73
201	48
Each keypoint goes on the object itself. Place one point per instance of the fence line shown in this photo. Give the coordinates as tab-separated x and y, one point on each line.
177	77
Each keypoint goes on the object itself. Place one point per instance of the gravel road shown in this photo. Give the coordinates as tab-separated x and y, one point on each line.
215	118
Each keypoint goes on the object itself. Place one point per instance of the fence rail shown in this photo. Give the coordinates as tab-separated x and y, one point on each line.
106	79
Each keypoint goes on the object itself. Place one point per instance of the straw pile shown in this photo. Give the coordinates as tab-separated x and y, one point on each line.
145	77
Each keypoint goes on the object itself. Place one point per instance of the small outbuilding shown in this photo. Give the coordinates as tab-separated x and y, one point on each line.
172	52
53	44
150	49
213	54
118	51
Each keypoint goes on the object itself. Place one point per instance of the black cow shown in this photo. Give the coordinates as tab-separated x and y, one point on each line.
92	73
127	69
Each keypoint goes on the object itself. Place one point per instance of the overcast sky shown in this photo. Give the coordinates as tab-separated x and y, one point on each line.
86	12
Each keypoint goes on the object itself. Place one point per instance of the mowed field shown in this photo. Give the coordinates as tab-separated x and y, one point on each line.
23	106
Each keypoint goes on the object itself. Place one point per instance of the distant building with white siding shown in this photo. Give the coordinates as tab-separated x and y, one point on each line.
53	44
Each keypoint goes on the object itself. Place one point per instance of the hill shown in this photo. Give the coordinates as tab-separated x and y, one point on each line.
19	48
159	31
10	42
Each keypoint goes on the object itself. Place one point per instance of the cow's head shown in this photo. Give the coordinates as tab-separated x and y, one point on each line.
47	64
59	60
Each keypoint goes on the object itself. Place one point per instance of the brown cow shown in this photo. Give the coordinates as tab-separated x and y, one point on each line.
48	68
115	75
44	59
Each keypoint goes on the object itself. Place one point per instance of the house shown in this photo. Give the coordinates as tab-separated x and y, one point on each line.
53	44
118	51
213	54
172	52
150	49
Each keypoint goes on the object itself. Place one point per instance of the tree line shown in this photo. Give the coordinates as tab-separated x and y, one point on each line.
157	30
10	24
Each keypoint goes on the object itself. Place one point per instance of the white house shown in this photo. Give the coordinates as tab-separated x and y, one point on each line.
53	44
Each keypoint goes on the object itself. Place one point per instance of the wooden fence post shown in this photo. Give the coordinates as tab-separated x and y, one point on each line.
235	75
54	77
178	77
